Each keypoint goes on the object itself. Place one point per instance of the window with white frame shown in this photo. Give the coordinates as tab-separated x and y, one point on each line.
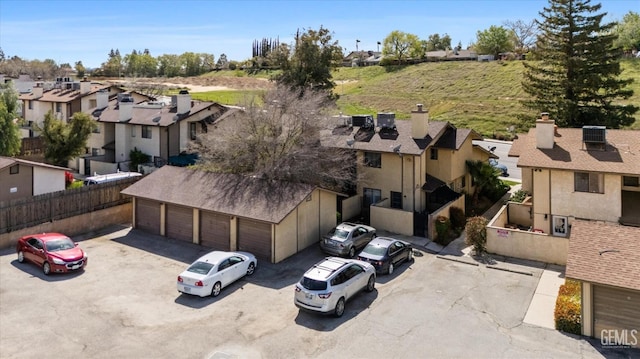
589	182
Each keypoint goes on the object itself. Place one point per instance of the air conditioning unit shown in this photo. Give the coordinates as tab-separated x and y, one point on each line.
387	120
594	134
365	121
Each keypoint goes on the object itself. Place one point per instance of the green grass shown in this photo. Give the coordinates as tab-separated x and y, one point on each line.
227	97
484	96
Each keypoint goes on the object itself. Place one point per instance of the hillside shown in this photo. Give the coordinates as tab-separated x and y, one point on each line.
484	96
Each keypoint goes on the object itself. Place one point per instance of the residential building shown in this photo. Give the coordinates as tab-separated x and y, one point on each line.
583	211
159	130
406	168
21	178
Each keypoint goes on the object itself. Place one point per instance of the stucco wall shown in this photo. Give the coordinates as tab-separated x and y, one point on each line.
520	213
351	207
328	218
286	237
527	245
309	221
18	185
392	220
47	180
74	226
605	206
442	211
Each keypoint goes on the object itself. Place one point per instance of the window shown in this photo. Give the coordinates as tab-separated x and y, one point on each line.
30	104
434	153
192	130
463	182
372	159
589	182
396	200
96	128
146	131
631	181
93	103
133	131
58	107
371	196
14	170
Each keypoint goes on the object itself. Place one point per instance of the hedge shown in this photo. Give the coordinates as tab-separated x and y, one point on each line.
567	314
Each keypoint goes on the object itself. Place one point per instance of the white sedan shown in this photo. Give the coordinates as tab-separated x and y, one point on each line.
214	271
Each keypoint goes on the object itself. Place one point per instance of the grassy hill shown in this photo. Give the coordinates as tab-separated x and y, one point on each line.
484	96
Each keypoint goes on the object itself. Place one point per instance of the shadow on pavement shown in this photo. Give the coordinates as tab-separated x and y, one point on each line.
327	322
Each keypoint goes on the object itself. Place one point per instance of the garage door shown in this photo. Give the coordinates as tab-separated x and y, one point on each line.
255	237
148	215
179	222
615	308
214	230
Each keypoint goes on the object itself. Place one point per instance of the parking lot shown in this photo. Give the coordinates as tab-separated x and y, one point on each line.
125	305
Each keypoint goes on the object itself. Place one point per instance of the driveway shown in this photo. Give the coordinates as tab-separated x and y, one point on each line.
125	305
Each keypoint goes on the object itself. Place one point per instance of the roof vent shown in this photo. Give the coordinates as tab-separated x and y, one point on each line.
594	134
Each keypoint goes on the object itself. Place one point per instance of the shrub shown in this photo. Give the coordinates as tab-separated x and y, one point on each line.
68	179
476	229
457	216
442	229
137	158
519	196
568	308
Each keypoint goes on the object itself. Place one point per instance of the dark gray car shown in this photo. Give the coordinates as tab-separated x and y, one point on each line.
347	238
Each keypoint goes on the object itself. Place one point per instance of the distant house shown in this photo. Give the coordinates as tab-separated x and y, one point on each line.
362	58
272	220
21	178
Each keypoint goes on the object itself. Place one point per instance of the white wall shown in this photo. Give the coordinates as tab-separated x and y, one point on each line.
47	180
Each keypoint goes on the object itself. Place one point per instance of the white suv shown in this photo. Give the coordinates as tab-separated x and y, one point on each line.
326	286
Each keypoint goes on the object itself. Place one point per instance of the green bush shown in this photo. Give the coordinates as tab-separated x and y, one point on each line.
519	196
443	225
476	229
568	308
137	157
458	218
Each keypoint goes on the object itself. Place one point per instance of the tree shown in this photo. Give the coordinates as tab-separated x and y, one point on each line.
278	137
436	42
524	34
9	131
80	69
576	76
628	31
314	57
223	62
485	177
63	141
400	46
494	40
476	234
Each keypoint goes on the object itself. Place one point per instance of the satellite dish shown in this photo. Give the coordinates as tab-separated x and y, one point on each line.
350	142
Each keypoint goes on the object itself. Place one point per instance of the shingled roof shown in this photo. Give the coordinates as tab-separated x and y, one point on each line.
268	201
604	253
63	95
10	161
151	115
620	155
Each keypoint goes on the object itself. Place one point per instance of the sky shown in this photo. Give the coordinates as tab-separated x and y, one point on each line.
75	30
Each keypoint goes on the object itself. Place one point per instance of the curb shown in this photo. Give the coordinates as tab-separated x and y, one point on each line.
509	270
455	259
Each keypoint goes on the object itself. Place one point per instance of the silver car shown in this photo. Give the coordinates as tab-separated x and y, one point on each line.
346	239
329	284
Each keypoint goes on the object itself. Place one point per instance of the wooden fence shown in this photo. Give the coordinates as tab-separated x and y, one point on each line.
31	211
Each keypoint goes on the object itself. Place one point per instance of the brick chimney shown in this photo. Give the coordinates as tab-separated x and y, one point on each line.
37	90
125	108
545	131
419	122
102	99
85	86
183	100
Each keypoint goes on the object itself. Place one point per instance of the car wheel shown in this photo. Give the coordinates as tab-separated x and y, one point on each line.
371	284
352	252
410	256
46	268
215	291
20	256
251	269
390	270
339	311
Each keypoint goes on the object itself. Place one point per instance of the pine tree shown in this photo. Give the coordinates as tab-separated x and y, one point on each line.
575	72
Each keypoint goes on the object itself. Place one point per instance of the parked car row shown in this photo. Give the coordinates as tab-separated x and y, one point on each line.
324	288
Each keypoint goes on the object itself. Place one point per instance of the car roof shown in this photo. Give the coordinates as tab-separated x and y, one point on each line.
215	256
382	241
326	267
46	236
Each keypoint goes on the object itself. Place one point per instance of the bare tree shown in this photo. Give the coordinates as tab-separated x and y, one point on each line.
278	137
524	34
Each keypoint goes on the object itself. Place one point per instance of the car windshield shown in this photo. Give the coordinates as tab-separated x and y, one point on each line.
200	267
339	233
59	244
313	284
374	250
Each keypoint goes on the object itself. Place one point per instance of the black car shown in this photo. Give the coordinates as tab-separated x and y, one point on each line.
386	253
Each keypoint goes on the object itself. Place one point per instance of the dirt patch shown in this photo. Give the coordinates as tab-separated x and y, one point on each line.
204	84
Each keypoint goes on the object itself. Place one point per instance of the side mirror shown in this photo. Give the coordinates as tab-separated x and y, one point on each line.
75	243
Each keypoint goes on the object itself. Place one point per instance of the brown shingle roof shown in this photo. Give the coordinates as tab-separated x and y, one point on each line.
386	141
604	253
622	154
9	161
234	195
63	95
151	115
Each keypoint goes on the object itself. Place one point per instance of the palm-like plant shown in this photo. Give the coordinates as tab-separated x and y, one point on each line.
484	176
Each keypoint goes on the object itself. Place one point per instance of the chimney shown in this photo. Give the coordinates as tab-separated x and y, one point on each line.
183	102
419	123
85	86
545	131
102	99
125	108
37	90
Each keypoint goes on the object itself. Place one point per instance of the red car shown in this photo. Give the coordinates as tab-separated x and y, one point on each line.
54	252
